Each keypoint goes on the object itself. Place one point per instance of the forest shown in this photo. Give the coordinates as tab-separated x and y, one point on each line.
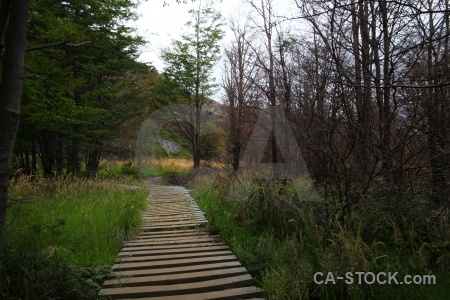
347	99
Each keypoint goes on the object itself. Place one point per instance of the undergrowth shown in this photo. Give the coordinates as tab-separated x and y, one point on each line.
63	234
284	241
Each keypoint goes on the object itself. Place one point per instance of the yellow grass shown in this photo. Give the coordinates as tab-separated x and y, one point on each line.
183	164
176	163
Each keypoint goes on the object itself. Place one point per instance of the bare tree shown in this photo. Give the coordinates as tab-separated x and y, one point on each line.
265	59
240	73
432	71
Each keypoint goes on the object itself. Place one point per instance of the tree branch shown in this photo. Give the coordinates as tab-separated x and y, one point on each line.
396	85
56	44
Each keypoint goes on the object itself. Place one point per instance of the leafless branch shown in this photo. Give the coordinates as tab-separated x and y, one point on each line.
57	44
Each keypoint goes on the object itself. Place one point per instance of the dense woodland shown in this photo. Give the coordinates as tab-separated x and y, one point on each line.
364	84
81	84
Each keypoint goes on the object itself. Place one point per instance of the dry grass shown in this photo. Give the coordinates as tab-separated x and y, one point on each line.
183	163
174	163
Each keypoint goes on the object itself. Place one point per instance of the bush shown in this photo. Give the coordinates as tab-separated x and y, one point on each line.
35	275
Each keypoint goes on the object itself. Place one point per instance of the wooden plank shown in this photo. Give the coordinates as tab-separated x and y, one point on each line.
172	263
175	278
171	213
150	213
171	250
176	270
229	294
174	224
172	210
179	217
154	242
167	204
170	236
177	198
180	246
173	217
187	225
178	289
162	222
171	223
170	233
143	239
125	259
170	204
184	211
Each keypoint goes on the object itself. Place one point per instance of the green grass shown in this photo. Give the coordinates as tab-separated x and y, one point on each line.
284	250
69	228
117	169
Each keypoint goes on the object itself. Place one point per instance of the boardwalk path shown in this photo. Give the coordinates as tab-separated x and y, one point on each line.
175	258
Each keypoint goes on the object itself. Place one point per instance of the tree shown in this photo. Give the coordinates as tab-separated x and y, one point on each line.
266	63
432	69
13	25
240	72
15	13
189	70
77	94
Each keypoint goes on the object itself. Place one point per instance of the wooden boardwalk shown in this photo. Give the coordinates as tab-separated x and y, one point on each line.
175	258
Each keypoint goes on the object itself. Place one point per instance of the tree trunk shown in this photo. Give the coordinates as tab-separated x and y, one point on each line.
47	146
10	93
33	158
196	150
93	160
59	157
364	111
73	158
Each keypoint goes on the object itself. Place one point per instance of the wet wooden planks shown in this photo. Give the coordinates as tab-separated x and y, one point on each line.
174	257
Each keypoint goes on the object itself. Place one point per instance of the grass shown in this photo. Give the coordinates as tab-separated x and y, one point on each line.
283	242
174	170
63	235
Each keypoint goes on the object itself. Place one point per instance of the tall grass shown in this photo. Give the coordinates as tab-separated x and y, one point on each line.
284	241
69	226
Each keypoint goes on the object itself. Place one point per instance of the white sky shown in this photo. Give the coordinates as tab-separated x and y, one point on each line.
160	25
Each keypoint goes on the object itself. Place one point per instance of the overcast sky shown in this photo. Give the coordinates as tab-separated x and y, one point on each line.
159	25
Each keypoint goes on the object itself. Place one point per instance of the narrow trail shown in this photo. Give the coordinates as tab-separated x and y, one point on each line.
174	257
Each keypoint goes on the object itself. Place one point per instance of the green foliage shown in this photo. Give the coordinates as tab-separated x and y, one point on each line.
283	247
190	60
174	175
33	275
63	235
210	146
79	93
129	169
187	79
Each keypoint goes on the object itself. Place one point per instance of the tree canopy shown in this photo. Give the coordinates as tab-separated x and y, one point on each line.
81	82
